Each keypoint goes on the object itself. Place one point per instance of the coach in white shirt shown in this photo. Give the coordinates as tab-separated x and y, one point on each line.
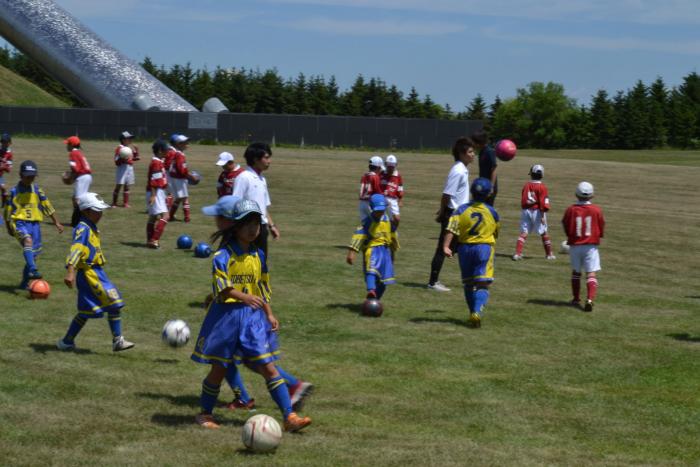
251	184
455	194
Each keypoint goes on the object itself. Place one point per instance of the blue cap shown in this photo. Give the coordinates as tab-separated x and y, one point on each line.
224	207
5	138
28	169
245	207
481	187
377	202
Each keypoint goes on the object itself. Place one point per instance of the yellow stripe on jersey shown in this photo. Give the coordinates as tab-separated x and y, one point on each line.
242	271
475	222
28	203
372	233
85	251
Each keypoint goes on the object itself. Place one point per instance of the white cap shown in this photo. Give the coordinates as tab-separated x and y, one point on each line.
180	139
224	158
376	161
584	190
537	169
391	160
126	135
91	201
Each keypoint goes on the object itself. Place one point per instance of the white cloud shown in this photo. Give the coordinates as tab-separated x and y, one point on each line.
376	27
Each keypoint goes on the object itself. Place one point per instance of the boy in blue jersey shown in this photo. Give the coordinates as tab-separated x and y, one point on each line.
25	209
376	237
476	226
96	294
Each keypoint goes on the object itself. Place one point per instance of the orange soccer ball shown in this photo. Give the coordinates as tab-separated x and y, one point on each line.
39	289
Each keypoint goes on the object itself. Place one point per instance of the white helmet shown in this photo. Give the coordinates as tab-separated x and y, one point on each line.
584	190
391	160
537	169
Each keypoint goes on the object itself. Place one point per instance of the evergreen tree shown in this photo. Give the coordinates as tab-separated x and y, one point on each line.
622	127
413	106
431	109
395	102
658	113
354	100
682	120
638	136
476	110
491	115
602	117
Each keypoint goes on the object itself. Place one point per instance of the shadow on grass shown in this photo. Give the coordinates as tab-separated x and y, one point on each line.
199	305
687	296
557	303
43	348
685	337
455	321
187	400
353	307
135	244
505	255
11	289
176	420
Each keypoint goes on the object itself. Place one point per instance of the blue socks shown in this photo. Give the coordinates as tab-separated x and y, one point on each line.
233	378
75	327
280	394
481	296
210	393
289	379
115	323
469	297
371	281
29	258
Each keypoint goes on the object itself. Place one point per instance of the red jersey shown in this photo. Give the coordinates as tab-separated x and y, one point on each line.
178	166
119	161
583	223
535	196
78	163
156	174
224	186
5	160
392	185
169	157
370	185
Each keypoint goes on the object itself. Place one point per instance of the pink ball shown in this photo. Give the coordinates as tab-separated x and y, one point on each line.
506	149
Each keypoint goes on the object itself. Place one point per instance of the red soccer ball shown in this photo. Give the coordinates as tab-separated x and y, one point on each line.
372	307
506	149
39	289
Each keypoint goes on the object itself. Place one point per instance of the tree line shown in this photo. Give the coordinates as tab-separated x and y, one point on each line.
540	115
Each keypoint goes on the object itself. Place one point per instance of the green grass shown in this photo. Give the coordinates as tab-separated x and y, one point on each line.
15	90
539	384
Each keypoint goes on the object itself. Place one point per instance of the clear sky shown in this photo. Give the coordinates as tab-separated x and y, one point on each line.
450	49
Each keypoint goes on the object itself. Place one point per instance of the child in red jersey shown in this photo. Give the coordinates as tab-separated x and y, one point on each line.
392	188
157	184
370	184
584	225
80	174
230	170
535	204
5	164
124	156
179	178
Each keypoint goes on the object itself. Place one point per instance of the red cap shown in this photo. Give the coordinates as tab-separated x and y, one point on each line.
73	141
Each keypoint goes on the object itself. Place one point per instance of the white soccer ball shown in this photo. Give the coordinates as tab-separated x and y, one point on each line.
564	247
261	433
176	333
126	153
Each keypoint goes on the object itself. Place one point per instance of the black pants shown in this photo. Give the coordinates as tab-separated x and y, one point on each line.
261	240
439	256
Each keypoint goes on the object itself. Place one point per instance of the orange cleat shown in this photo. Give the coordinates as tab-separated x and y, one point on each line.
206	420
239	404
295	423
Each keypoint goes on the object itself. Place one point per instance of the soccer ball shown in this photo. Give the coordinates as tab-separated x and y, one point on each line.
261	433
184	242
176	333
126	153
564	247
202	250
372	307
505	150
39	289
195	178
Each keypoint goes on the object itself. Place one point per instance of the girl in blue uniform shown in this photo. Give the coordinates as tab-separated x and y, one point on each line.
239	324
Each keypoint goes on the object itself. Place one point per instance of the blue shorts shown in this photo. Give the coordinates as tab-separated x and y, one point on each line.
378	262
24	229
96	294
234	333
476	262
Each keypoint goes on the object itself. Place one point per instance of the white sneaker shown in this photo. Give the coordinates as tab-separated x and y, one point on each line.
438	287
551	257
60	345
119	344
517	257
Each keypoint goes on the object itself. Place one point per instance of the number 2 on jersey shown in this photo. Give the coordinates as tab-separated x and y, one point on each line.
479	217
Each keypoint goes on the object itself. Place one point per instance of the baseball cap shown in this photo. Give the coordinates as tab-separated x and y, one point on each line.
28	168
377	202
376	161
391	160
224	158
481	187
224	207
537	169
180	139
245	207
126	135
91	201
584	190
72	140
5	138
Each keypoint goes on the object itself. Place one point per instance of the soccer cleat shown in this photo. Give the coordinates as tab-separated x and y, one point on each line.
119	344
475	320
61	345
517	257
34	274
588	306
371	294
298	393
295	423
206	420
551	257
127	205
576	303
239	404
153	244
438	287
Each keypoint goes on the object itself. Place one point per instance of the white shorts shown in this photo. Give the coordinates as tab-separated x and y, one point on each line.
364	210
82	185
178	187
393	207
531	220
584	258
158	206
125	174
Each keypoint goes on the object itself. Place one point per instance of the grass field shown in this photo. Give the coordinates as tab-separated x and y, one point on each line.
15	90
539	384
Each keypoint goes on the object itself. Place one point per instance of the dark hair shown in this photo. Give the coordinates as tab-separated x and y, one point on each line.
536	176
158	146
480	137
460	146
256	151
227	235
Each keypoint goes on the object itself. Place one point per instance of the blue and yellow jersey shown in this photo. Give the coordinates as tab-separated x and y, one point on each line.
374	233
245	271
475	222
85	251
27	203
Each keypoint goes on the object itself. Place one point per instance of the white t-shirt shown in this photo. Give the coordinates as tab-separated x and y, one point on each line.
457	185
251	185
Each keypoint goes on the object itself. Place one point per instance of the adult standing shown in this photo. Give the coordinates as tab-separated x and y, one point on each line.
251	184
455	194
487	162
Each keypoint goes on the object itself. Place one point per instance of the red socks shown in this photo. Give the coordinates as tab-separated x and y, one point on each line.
591	287
547	242
521	243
